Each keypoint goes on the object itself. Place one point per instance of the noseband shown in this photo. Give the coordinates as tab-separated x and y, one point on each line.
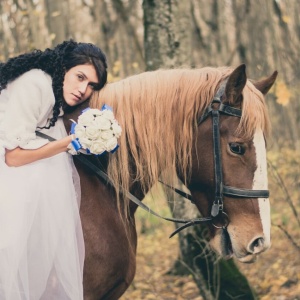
215	109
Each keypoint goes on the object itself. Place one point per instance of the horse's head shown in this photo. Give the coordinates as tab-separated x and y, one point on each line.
157	111
234	157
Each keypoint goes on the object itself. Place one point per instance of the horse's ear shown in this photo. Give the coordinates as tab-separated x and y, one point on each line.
265	84
235	85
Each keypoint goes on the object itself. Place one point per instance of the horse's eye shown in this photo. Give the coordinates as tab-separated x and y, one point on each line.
237	148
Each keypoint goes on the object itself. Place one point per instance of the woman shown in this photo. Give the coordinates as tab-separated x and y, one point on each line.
41	242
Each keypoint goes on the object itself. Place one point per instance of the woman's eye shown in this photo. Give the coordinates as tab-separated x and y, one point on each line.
237	148
80	77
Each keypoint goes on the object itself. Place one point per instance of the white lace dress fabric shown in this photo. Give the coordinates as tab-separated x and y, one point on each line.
41	241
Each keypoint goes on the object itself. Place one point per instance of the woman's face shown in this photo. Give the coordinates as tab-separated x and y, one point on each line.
79	84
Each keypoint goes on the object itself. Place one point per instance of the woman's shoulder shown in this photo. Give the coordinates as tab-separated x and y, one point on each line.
34	85
35	75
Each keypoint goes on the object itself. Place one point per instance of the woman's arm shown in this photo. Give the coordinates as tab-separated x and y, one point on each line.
18	157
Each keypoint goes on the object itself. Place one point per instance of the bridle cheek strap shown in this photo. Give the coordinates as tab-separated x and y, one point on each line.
220	189
217	205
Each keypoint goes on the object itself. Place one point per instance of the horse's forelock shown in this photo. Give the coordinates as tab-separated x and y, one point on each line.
157	112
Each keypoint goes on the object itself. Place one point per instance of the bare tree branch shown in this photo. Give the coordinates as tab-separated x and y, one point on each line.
283	187
288	236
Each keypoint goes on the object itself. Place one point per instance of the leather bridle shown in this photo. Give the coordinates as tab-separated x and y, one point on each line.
221	189
215	109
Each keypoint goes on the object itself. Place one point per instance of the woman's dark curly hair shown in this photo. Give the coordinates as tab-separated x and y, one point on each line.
56	62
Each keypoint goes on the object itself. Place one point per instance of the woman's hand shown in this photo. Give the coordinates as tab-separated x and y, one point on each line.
18	157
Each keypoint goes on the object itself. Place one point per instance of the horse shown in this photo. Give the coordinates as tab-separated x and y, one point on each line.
204	126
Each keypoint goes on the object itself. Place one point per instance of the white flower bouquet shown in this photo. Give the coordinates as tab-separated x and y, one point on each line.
96	131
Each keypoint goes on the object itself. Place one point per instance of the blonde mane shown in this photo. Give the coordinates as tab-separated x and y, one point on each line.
158	114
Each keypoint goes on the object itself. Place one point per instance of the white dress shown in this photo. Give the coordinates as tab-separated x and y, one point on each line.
41	241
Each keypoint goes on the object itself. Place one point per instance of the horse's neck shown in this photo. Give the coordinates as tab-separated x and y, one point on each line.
72	113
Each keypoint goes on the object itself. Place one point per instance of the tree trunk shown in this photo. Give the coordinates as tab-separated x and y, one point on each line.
167	33
216	278
36	22
129	37
57	20
168	44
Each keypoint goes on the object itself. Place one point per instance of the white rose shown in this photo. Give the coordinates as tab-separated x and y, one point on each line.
117	130
92	132
102	123
85	142
95	112
86	118
79	131
98	147
107	134
111	144
108	114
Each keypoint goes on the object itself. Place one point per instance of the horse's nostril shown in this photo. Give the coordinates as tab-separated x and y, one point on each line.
257	245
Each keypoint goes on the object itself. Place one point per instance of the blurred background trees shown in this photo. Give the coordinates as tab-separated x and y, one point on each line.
264	34
139	35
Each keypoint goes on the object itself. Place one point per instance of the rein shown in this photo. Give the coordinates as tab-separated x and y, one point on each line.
102	175
221	190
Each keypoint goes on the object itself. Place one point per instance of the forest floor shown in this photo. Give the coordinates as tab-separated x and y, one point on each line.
274	276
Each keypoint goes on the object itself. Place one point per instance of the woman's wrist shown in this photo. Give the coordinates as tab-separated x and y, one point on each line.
72	145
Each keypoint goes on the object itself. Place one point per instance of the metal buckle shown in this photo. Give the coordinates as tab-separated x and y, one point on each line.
224	226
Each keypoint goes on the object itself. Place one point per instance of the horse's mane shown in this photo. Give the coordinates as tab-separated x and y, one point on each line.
158	114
